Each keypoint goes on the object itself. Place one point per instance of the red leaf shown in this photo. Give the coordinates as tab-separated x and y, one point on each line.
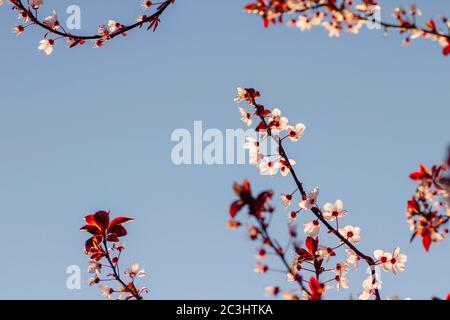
102	219
91	229
413	205
311	244
448	297
304	255
246	186
117	231
426	242
446	50
316	289
431	24
235	207
119	221
423	173
89	219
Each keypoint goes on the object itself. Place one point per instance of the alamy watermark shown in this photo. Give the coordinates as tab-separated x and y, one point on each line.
214	146
73	281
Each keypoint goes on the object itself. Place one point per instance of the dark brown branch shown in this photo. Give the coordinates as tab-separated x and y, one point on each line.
32	16
385	25
280	253
116	274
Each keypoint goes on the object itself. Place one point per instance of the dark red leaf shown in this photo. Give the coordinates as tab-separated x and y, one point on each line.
236	207
119	221
446	50
426	242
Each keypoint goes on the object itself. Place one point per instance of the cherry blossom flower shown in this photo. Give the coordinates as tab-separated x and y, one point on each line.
384	259
46	45
36	4
272	291
341	281
253	232
352	258
233	224
260	268
369	288
333	28
261	254
93	281
398	261
135	272
284	166
252	145
246	117
113	26
304	23
107	291
287	199
269	167
295	133
352	234
248	95
22	15
332	212
146	4
18	29
241	95
290	296
292	216
341	268
94	267
325	253
312	228
310	200
277	123
52	21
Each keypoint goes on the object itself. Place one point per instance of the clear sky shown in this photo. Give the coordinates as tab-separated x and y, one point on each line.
88	129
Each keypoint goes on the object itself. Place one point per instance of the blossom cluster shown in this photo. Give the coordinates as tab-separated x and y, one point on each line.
314	256
338	16
104	250
27	14
428	211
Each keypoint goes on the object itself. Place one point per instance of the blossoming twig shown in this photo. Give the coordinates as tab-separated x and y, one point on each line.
271	124
28	13
349	15
104	231
428	211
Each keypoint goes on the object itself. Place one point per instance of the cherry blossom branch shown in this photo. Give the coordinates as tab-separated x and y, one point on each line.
114	267
103	231
316	210
281	254
162	6
271	124
342	14
28	13
428	211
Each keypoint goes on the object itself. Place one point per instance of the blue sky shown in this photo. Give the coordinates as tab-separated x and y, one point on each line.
88	129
